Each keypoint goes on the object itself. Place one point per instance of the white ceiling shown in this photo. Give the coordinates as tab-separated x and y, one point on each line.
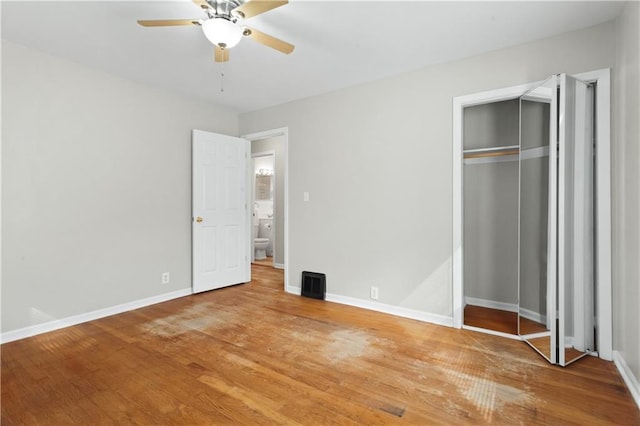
338	43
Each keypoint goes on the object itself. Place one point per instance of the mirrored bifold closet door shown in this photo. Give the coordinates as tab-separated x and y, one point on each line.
576	197
536	253
556	219
556	214
536	229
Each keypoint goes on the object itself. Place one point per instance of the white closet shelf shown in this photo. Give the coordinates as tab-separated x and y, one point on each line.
498	151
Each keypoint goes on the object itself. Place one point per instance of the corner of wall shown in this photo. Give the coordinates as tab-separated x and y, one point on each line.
628	377
626	197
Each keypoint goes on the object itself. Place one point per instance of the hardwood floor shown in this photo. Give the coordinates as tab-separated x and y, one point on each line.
252	354
268	261
491	319
498	320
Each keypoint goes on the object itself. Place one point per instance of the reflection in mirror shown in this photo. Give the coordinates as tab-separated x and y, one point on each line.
534	323
263	185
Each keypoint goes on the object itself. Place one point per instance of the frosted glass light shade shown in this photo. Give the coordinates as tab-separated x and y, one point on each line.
221	32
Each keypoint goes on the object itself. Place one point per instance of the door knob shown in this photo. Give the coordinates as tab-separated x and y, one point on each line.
199	219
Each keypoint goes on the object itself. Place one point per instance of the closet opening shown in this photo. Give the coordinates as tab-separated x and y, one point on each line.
531	215
490	199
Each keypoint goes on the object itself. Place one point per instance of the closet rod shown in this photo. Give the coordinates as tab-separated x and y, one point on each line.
482	154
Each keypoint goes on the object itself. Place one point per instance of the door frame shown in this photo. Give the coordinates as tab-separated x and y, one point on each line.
602	78
284	133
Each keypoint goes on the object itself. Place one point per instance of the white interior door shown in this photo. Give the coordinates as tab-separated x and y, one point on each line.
220	229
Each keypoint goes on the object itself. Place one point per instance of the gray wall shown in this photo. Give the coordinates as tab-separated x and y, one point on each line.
96	184
491	125
626	189
276	144
490	200
491	231
534	208
376	160
534	215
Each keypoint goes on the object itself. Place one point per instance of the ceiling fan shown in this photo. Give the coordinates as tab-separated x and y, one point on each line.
224	25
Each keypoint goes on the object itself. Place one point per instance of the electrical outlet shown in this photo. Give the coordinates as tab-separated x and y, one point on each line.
166	278
374	293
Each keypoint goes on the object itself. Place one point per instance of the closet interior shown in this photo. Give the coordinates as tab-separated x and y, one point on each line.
490	226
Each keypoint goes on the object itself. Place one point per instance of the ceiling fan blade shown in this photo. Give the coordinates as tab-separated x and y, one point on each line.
169	22
202	4
222	55
256	7
269	41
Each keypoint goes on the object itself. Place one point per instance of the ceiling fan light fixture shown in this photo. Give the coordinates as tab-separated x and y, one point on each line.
222	32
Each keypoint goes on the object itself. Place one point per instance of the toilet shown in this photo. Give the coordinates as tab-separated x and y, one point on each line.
260	245
264	231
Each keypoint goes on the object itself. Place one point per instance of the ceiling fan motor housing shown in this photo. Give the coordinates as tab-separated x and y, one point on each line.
223	8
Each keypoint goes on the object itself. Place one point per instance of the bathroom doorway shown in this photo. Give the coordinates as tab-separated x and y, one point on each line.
267	142
263	213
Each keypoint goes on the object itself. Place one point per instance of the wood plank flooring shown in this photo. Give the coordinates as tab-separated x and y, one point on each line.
252	354
499	320
491	319
268	261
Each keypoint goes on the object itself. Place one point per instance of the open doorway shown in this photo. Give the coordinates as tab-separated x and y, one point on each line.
263	214
270	144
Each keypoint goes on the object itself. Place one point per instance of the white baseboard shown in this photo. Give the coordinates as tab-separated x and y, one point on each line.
627	375
293	290
484	303
509	307
492	332
533	316
34	330
390	309
278	265
382	307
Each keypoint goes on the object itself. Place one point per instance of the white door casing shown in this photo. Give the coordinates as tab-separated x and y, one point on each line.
289	285
220	230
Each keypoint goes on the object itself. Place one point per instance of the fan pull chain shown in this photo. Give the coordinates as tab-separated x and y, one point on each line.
222	76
